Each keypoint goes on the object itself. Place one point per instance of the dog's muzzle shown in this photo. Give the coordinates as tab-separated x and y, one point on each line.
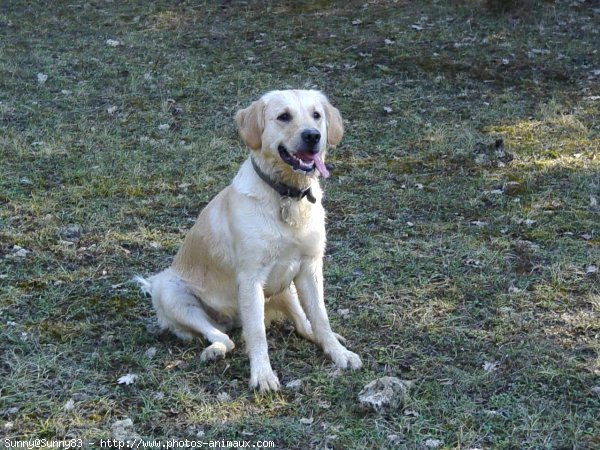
304	161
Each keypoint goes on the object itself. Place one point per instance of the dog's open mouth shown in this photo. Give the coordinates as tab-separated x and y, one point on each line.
303	161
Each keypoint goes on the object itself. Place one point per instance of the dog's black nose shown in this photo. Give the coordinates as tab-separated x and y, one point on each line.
311	136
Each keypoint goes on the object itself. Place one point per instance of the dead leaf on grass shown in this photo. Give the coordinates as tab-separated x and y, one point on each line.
70	405
433	443
127	379
491	366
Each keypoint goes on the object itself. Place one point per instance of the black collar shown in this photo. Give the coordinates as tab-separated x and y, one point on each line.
283	189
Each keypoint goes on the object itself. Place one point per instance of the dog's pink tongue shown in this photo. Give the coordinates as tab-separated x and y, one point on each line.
320	166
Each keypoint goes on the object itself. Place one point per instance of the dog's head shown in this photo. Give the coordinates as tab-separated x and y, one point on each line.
292	129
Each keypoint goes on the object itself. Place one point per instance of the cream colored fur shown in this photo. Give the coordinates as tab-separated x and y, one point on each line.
253	255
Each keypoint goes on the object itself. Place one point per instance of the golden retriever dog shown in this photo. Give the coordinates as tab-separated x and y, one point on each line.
256	251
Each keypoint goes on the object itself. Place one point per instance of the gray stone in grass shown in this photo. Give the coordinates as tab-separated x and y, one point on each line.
19	252
71	232
384	393
122	430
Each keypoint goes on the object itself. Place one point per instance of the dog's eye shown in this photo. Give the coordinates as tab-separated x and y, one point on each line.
316	115
285	117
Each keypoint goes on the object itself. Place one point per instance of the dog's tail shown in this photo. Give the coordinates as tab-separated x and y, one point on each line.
145	285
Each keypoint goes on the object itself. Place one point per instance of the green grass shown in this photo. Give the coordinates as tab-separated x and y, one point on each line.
445	264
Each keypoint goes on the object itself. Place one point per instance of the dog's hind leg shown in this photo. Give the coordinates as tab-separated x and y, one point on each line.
289	305
181	312
195	319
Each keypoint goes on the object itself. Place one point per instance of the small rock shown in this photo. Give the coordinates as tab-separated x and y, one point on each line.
306	420
122	430
112	43
591	269
71	232
9	426
19	252
384	393
42	78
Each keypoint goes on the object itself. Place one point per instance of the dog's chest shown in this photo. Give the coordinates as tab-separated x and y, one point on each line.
288	257
281	276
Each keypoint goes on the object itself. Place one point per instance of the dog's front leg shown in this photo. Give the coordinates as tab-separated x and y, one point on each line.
309	284
251	300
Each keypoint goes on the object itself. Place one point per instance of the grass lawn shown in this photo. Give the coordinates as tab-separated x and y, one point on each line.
469	269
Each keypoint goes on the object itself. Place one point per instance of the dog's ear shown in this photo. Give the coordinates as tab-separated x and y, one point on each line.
251	123
335	125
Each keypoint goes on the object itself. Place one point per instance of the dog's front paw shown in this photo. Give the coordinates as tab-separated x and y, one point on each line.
345	359
264	381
